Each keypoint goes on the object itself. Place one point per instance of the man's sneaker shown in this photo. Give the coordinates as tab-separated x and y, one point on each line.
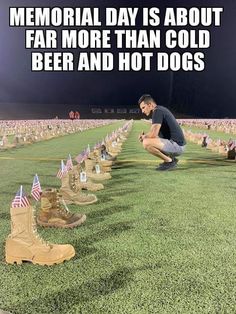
168	165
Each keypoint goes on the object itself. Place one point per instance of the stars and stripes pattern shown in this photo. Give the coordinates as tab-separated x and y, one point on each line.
232	144
97	145
81	157
20	199
62	171
36	188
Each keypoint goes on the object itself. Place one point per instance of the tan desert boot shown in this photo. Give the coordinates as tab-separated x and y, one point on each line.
106	155
89	185
70	194
222	150
54	213
24	243
116	146
105	165
113	151
91	173
96	156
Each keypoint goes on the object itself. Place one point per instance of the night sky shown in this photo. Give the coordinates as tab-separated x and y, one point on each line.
208	94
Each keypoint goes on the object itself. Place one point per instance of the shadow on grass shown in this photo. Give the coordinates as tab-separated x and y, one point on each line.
92	222
64	300
103	199
5	216
123	192
84	245
130	168
122	179
110	231
108	211
193	163
212	163
83	250
69	300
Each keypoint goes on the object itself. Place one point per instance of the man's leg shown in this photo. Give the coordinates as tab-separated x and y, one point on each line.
154	147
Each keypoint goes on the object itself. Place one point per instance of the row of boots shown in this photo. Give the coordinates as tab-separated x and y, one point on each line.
24	242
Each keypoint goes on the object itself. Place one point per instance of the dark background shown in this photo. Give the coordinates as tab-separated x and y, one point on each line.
211	93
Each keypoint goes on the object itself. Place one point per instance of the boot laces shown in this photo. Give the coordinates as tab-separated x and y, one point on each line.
63	209
35	232
73	183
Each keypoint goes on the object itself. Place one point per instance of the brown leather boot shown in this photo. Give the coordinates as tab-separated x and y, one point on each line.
54	213
24	243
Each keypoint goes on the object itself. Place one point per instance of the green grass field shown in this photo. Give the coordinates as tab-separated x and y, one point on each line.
156	242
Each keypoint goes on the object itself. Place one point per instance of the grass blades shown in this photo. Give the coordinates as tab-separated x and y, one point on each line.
156	242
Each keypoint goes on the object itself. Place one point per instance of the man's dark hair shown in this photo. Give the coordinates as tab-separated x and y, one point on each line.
146	98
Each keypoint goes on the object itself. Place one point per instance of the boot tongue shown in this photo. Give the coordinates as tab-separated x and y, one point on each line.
46	204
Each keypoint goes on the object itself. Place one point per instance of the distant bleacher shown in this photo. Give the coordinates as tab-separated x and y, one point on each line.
115	113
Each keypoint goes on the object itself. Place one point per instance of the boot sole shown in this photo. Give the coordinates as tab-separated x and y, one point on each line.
87	203
20	260
69	202
98	179
91	190
87	188
70	226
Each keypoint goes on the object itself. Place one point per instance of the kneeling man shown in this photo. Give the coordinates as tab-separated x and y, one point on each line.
165	138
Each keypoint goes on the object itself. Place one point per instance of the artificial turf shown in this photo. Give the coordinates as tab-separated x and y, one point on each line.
156	242
213	134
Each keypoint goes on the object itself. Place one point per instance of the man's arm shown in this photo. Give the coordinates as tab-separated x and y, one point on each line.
153	133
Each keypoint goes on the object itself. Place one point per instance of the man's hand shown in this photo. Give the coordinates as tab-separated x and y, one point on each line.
141	137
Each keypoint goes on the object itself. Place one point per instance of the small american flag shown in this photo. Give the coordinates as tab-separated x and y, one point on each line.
20	199
81	157
36	188
62	171
97	145
69	163
232	144
86	153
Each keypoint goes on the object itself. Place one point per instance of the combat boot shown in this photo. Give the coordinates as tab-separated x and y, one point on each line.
70	193
24	243
113	151
103	166
222	150
54	213
92	174
88	185
104	158
116	144
106	155
95	156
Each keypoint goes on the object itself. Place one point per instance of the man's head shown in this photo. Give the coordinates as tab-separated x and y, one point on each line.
146	104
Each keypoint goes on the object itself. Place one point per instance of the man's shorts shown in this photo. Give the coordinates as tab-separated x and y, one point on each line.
171	147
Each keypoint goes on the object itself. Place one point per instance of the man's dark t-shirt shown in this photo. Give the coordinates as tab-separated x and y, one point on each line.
170	128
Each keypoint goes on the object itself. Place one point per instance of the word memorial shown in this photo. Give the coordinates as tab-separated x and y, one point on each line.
64	39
